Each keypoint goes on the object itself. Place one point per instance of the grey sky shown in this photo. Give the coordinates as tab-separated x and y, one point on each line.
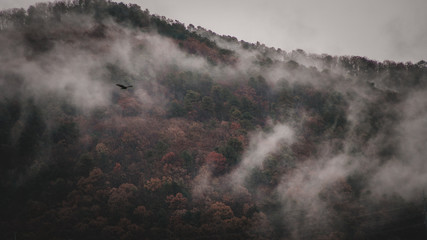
378	29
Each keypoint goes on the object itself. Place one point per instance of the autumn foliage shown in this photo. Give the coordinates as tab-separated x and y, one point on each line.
217	162
158	163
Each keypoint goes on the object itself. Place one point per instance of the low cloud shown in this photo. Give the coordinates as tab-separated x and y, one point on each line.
261	145
406	174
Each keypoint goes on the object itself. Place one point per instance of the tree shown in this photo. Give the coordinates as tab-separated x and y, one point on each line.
31	136
217	162
169	157
207	108
175	109
67	132
85	164
189	163
190	99
220	211
121	199
177	201
232	151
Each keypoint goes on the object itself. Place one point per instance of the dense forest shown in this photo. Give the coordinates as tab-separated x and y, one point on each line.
216	139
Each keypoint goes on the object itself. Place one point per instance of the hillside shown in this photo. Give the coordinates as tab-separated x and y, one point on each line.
216	138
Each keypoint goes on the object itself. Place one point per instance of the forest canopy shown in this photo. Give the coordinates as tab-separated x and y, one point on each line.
216	138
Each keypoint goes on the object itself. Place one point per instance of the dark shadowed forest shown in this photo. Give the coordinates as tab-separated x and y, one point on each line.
217	138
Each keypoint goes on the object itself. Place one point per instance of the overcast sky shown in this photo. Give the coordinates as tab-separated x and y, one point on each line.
377	29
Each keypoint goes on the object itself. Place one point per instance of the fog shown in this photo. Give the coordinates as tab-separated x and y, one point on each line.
381	30
388	155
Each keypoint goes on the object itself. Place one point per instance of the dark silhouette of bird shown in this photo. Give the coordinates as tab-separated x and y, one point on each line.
123	86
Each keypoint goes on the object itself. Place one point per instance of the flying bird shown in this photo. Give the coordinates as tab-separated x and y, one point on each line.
123	86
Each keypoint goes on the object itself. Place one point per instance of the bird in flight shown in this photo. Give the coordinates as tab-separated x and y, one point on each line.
123	86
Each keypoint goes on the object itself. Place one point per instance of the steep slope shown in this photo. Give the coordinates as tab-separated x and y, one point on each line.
217	138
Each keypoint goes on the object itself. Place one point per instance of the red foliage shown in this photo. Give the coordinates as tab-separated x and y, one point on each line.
235	126
249	93
217	162
117	167
169	157
194	46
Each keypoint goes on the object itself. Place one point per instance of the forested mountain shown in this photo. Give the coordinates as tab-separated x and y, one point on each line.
216	139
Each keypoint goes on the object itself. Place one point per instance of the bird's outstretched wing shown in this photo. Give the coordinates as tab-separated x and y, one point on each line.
123	86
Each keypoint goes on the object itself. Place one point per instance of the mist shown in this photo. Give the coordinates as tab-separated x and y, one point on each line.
213	129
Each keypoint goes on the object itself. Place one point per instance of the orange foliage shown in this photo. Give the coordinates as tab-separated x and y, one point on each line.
130	106
173	170
153	184
235	126
220	211
101	148
176	202
117	167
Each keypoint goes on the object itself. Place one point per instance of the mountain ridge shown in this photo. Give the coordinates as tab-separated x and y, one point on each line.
216	138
